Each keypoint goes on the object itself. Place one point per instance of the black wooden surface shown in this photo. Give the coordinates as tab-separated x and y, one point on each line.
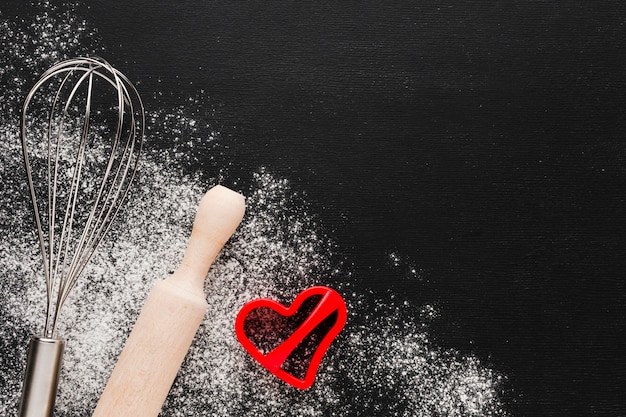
482	141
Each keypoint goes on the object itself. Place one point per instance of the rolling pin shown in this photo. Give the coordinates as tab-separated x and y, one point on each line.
171	315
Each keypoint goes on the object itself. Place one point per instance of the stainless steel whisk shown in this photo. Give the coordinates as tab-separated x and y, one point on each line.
82	130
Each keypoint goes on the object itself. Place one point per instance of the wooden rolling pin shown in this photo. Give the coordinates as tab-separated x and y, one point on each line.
171	316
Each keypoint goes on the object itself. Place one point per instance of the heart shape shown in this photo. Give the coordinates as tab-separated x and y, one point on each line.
290	342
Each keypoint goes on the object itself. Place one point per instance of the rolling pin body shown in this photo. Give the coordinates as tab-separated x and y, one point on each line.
170	316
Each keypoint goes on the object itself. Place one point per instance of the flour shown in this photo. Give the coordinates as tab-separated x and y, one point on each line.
383	363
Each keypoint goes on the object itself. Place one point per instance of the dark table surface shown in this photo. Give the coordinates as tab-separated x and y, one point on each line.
481	143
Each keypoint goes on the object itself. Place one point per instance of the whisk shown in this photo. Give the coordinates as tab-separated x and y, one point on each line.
82	130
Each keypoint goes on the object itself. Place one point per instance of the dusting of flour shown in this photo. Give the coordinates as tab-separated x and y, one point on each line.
383	363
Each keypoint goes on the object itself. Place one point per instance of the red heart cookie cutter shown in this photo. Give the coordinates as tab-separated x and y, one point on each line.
290	342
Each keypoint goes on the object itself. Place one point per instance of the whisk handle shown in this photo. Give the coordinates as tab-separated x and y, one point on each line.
41	379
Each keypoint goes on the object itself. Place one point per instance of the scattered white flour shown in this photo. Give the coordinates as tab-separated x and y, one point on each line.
382	364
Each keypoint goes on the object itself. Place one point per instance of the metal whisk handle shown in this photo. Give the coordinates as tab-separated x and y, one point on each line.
41	380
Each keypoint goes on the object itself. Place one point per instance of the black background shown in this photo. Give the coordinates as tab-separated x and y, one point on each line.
482	142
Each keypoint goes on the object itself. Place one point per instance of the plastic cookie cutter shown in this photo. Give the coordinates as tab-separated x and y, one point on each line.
291	342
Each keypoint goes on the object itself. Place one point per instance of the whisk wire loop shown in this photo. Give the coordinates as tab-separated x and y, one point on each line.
78	172
68	221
